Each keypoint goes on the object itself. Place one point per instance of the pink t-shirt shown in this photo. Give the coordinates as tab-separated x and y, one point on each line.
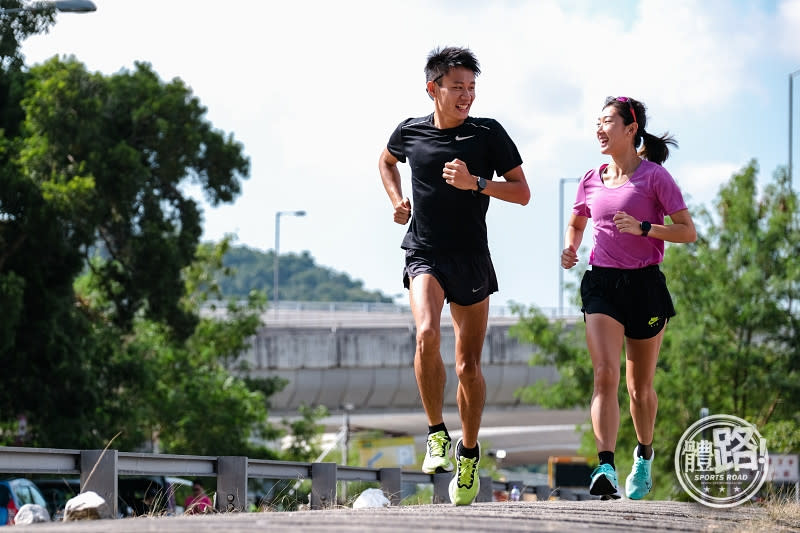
197	504
650	194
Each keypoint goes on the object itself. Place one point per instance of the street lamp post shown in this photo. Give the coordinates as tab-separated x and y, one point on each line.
347	408
561	241
791	99
275	278
65	6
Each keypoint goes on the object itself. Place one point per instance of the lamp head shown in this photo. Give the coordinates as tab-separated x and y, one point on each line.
75	6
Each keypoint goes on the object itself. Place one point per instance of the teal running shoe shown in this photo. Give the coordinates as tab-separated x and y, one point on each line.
640	480
466	483
437	454
604	483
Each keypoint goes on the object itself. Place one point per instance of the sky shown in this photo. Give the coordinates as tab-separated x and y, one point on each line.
313	89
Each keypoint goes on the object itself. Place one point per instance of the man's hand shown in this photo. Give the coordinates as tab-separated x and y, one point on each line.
402	211
457	174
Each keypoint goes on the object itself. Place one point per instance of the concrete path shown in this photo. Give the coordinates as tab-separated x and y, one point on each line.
500	517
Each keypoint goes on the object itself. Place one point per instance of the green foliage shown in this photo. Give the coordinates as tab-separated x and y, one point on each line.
304	445
300	278
422	496
740	286
110	155
732	346
558	344
16	27
102	280
12	289
176	391
782	436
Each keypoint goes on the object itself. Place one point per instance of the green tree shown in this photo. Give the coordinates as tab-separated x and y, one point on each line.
740	286
189	395
102	281
305	431
111	154
15	28
93	180
732	346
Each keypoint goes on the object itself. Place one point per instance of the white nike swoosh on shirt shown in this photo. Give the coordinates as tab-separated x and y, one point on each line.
464	138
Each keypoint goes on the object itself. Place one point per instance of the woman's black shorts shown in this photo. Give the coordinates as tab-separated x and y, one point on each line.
638	299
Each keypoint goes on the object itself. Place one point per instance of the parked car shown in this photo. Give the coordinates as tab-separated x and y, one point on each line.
150	495
18	492
137	496
57	492
5	497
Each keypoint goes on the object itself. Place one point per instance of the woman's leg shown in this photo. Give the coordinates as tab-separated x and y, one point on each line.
640	369
604	338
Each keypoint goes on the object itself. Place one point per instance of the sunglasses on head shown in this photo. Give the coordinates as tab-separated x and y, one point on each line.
626	100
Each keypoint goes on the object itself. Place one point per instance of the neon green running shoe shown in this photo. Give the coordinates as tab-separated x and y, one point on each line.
437	454
466	483
604	483
640	480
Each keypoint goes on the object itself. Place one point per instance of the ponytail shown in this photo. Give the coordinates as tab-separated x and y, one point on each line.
655	149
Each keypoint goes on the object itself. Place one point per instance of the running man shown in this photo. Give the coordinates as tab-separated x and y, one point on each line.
453	158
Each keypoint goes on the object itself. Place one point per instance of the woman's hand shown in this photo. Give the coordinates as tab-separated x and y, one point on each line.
569	257
627	224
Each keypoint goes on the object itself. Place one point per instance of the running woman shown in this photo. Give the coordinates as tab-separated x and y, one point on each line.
624	295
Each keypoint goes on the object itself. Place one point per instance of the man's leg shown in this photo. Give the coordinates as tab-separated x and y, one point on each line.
469	324
427	299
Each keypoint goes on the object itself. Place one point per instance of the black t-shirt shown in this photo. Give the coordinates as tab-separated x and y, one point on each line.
445	218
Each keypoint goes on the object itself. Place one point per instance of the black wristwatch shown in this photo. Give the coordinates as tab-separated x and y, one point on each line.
645	225
481	184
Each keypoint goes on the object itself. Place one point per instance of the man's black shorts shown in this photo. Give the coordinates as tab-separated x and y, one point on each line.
466	278
638	299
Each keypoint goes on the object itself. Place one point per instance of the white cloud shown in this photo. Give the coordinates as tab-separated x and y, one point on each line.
700	182
314	88
788	24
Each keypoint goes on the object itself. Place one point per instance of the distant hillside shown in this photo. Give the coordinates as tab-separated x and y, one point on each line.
300	278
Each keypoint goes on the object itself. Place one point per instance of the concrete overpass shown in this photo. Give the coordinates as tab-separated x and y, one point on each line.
338	354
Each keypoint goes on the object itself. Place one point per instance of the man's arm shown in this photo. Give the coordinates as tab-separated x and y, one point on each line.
514	189
390	176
